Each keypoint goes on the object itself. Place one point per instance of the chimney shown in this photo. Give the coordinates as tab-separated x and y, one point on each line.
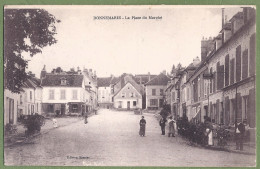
196	61
164	72
43	72
223	13
149	77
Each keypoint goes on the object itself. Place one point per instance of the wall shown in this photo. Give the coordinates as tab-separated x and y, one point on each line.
15	99
156	96
104	95
57	94
128	89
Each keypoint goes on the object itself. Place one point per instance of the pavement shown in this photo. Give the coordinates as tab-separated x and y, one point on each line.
111	138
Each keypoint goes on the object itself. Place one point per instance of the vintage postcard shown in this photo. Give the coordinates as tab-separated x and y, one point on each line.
162	85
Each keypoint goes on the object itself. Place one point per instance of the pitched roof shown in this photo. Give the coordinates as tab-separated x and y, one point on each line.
143	78
55	80
136	86
160	80
103	81
31	82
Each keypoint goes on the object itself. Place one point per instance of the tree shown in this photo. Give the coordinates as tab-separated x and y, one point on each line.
25	30
173	69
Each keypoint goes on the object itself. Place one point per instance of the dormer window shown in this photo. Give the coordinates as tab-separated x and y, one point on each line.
63	81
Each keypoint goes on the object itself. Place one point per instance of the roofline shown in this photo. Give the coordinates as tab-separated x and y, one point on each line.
214	52
123	87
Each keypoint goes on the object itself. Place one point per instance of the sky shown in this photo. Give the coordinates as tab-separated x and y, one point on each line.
128	45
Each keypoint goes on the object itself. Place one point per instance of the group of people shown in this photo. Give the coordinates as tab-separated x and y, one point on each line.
240	128
163	121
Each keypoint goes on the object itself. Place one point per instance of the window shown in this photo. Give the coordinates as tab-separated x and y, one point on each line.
122	94
21	99
252	55
132	94
62	94
238	63
74	94
188	94
161	92
153	92
74	108
245	64
32	110
232	71
153	102
50	108
63	81
30	95
134	103
51	94
227	70
29	109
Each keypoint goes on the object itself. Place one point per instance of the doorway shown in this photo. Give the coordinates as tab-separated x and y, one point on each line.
128	105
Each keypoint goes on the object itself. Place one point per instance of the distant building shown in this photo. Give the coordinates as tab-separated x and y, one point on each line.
155	91
64	93
104	92
128	97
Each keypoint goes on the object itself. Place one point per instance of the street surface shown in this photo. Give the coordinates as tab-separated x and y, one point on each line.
111	139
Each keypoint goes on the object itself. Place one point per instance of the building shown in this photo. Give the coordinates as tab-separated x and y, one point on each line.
185	87
11	102
104	92
129	97
31	98
155	91
223	87
90	80
63	93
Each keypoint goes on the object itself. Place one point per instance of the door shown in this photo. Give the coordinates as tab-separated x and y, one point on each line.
128	105
62	109
161	103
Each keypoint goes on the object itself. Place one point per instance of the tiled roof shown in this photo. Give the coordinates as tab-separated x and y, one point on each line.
32	82
114	80
103	81
55	80
144	78
161	79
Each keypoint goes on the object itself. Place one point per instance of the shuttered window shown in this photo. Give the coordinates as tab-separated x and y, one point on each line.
252	52
227	70
245	64
238	63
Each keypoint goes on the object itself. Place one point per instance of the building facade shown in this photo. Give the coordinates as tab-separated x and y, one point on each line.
155	91
129	97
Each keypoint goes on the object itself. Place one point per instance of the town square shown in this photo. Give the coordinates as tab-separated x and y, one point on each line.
130	86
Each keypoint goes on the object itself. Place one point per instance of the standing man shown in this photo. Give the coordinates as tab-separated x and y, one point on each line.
239	135
171	127
162	124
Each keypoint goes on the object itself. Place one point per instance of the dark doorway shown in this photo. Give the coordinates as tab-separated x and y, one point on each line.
128	105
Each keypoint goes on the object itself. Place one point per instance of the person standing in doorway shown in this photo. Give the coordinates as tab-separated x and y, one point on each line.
162	123
142	124
171	127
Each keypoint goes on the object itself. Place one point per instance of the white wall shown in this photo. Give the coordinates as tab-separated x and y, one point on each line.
57	94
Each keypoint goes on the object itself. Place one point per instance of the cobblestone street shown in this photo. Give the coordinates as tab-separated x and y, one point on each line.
111	139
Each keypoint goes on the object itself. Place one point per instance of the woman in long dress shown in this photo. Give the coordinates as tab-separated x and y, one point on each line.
142	126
